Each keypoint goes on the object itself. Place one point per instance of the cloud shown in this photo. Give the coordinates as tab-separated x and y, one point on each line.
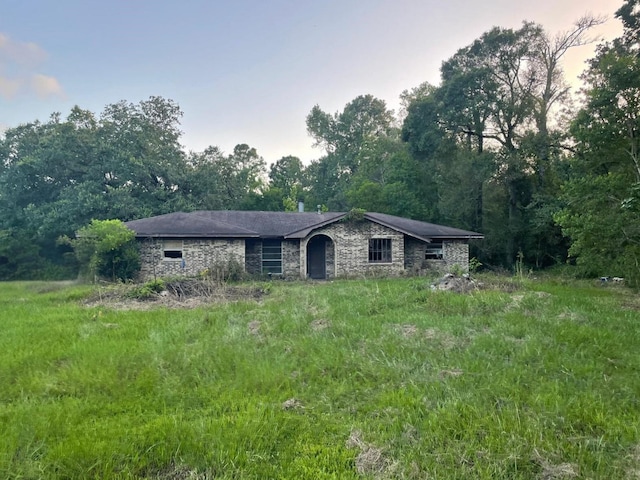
45	86
19	65
22	53
8	87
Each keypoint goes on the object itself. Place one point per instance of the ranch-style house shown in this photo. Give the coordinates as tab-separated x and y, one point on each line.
297	244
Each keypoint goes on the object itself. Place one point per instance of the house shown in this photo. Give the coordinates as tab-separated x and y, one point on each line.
297	244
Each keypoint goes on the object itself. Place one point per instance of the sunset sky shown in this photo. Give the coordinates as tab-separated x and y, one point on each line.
248	71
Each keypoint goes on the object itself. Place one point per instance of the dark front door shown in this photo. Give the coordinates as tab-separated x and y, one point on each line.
316	258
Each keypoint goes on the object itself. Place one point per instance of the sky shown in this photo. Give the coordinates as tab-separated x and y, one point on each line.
249	71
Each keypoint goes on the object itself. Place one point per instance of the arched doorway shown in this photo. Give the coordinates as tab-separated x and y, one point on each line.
317	257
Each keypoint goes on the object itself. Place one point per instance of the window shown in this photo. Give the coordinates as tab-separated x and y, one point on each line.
272	256
172	249
434	251
380	250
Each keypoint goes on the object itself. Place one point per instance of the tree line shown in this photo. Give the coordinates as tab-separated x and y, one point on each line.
498	146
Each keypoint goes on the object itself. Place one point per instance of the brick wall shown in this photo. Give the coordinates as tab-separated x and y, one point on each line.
197	255
347	254
455	252
253	256
351	241
291	258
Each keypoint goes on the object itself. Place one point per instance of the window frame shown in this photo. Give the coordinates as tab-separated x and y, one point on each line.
271	264
176	249
380	250
434	251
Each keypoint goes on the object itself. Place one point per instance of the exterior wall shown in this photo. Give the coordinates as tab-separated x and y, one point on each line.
455	252
197	255
330	259
351	241
347	254
290	258
253	256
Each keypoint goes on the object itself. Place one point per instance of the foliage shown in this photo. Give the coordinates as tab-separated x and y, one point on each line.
106	248
602	212
307	381
230	271
354	215
147	290
488	149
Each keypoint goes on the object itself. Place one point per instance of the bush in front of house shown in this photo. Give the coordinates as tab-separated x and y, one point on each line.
106	249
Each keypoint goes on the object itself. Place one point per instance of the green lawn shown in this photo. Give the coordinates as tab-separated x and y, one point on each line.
345	379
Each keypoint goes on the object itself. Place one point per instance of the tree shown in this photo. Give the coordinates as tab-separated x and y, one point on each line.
58	175
106	248
344	136
488	127
602	212
286	174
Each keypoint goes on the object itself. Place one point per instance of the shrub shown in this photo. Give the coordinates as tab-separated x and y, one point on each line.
107	249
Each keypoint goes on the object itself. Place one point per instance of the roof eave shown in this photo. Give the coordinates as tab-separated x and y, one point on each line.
194	235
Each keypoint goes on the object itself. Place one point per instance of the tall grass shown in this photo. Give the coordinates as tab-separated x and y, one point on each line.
345	379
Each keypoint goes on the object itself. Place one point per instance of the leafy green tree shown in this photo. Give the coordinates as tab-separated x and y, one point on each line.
344	136
602	212
58	175
389	181
286	174
107	249
487	127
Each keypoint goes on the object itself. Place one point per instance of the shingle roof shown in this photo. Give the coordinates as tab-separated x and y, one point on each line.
253	224
417	228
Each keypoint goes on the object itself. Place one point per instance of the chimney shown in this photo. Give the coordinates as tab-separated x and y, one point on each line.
300	207
319	209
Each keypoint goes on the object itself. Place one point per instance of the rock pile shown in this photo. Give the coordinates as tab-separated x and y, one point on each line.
456	283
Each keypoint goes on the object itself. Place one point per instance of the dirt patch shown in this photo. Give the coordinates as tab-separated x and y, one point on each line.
407	330
254	327
179	294
320	324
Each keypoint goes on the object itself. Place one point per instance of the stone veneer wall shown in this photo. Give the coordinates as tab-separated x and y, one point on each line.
253	256
291	258
455	252
351	241
197	255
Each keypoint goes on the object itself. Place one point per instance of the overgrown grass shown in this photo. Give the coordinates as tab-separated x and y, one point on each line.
339	380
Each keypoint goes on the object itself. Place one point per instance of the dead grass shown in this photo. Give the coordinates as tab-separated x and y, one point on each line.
633	470
320	324
183	294
180	472
292	404
554	471
371	460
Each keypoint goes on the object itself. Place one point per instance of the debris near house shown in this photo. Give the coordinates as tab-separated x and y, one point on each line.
187	292
457	283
